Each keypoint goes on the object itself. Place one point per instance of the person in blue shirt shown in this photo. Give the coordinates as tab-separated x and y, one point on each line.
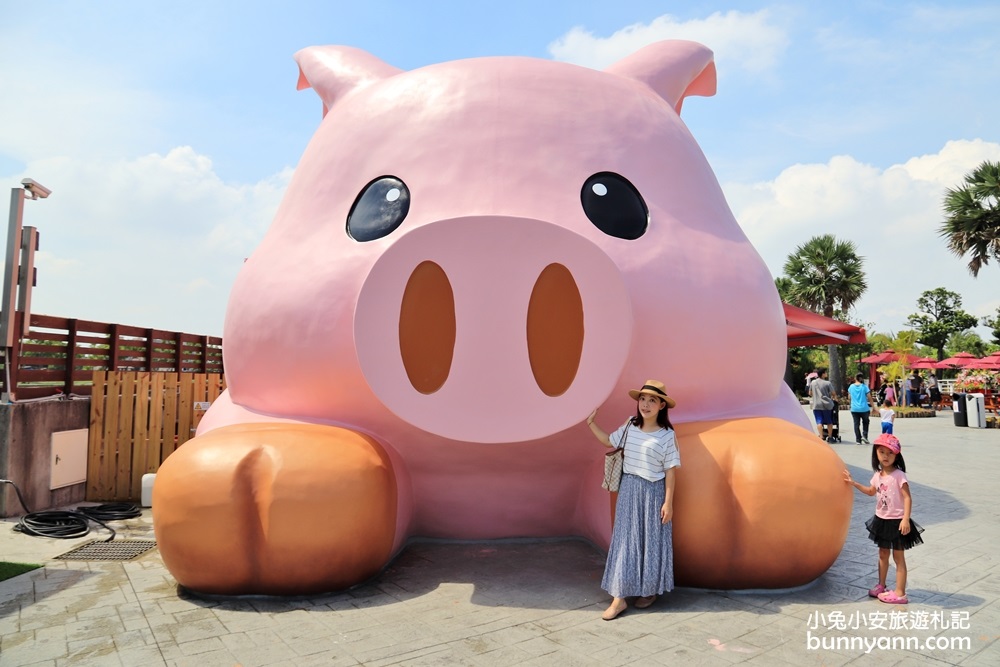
861	408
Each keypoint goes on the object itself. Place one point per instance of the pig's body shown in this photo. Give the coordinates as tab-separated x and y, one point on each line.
469	321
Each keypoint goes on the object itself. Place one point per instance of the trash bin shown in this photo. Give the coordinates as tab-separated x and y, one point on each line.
976	409
959	409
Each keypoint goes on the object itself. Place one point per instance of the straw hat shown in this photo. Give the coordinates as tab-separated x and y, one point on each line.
653	388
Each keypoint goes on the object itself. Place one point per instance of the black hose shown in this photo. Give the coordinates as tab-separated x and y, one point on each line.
54	523
111	511
67	525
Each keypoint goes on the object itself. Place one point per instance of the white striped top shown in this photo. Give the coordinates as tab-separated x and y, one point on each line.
648	455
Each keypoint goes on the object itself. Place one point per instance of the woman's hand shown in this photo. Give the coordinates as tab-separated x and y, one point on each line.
666	513
596	430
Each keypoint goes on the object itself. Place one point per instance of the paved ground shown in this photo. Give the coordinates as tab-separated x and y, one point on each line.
539	603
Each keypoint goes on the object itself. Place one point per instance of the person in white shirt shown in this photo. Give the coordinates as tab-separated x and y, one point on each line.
888	416
641	558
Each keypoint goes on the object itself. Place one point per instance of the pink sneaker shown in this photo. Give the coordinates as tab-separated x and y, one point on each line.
878	590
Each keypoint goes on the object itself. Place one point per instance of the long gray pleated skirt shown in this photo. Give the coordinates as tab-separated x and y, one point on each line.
641	557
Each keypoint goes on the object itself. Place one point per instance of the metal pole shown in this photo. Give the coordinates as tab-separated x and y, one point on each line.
10	272
10	285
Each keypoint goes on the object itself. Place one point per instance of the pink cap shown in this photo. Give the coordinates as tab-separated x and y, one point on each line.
889	441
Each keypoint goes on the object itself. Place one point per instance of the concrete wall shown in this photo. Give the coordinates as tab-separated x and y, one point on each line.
25	453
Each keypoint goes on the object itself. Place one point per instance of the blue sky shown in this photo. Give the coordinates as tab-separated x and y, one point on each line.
168	130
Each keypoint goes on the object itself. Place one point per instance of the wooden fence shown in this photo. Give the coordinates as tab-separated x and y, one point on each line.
60	355
136	420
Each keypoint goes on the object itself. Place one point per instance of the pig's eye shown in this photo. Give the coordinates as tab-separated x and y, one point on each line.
379	209
614	206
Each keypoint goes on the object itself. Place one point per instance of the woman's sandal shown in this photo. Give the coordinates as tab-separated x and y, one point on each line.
642	603
612	612
890	597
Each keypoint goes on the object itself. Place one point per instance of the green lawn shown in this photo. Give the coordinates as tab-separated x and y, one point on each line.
8	570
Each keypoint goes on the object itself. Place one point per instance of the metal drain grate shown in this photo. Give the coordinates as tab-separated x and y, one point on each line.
114	550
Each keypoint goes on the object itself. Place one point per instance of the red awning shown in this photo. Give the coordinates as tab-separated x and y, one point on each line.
805	328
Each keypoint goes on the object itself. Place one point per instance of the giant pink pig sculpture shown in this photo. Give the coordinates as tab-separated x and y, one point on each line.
470	258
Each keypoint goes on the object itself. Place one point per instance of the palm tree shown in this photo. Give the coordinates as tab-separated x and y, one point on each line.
973	217
826	273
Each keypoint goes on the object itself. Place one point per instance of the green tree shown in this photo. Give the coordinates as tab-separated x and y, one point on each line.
972	223
966	341
827	276
994	323
784	286
940	316
902	344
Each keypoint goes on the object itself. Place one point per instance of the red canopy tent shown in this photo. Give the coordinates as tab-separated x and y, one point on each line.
805	328
888	357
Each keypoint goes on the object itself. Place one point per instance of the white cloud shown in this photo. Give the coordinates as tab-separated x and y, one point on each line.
154	241
892	215
747	42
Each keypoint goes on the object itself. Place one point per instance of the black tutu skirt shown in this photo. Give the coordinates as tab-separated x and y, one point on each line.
885	533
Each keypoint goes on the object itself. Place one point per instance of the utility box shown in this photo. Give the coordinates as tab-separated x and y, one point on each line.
69	458
975	407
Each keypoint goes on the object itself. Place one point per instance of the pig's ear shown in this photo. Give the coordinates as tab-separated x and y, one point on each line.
674	69
334	71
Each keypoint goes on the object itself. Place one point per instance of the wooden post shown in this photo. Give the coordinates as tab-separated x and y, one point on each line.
149	351
179	338
114	353
96	438
204	354
71	333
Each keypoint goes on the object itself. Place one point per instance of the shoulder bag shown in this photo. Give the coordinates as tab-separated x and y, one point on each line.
613	462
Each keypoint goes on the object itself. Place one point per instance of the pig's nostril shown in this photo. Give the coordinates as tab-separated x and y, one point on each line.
427	327
555	329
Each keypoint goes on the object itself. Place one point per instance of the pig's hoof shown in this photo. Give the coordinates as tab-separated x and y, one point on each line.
275	509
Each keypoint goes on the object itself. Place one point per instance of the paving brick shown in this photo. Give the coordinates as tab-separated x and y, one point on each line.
531	604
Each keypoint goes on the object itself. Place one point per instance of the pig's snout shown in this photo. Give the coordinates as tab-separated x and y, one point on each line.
492	329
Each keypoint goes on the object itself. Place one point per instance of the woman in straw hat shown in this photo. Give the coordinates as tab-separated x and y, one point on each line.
641	557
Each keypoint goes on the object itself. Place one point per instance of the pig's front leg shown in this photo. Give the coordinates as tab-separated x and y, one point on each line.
275	509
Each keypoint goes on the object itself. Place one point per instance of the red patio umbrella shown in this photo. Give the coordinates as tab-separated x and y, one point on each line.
961	359
990	363
926	363
887	357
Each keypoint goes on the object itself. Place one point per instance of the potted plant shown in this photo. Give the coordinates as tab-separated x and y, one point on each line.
977	381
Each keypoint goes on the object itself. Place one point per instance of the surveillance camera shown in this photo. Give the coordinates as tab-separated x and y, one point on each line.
37	190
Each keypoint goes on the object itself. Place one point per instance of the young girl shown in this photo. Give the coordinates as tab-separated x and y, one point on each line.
641	557
891	528
890	393
888	416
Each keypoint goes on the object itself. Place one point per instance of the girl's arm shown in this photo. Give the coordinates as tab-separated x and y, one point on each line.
904	524
867	490
667	511
596	430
